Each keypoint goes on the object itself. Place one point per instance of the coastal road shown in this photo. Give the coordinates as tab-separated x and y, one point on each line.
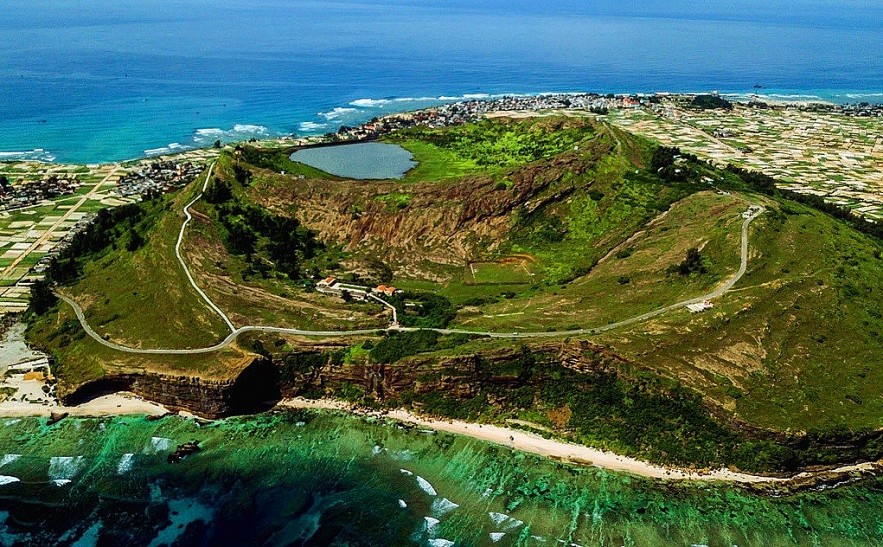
752	213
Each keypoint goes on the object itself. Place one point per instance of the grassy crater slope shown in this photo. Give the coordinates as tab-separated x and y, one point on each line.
520	225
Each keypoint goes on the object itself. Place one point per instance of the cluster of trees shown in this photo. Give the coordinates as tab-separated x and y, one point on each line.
428	310
710	102
399	345
124	225
766	184
120	226
663	163
692	263
275	241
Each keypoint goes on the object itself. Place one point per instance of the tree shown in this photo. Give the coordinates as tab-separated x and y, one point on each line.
217	143
136	241
693	263
218	191
42	297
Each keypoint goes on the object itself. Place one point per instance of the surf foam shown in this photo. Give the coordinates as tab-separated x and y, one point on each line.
425	486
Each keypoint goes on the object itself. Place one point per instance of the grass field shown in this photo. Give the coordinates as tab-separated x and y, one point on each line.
143	298
534	225
509	271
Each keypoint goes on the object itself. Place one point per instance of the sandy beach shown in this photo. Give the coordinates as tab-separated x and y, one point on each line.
535	444
116	404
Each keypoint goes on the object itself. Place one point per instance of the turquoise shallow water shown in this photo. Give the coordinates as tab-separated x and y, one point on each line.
103	80
328	479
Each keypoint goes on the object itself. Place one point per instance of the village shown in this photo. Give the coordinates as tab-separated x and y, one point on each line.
43	206
832	151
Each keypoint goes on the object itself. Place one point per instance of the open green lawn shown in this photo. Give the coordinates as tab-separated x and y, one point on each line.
633	278
511	272
796	344
143	298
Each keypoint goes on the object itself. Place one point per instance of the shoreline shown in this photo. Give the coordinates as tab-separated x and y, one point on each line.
129	404
576	454
776	97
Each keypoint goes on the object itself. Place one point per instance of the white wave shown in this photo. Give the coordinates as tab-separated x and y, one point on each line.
430	523
337	113
425	486
125	464
7	479
443	506
376	450
497	518
37	154
487	493
158	444
441	542
369	103
64	467
402	504
210	132
238	132
374	103
11	422
476	96
504	521
61	482
311	126
9	458
862	95
170	149
406	472
497	536
248	128
402	455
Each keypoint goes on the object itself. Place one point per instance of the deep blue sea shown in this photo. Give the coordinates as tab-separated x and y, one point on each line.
102	80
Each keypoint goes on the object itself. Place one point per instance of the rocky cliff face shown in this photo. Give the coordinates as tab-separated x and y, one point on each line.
437	223
461	376
254	388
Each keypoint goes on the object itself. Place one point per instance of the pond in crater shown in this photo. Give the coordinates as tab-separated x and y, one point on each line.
365	160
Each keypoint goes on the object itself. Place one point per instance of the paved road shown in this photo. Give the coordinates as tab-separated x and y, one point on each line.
235	332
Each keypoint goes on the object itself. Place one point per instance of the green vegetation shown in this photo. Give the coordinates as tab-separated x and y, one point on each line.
710	102
122	226
489	145
530	225
269	242
423	310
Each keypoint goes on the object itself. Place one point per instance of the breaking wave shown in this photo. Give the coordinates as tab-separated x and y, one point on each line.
125	464
37	154
337	113
64	467
425	486
307	127
9	458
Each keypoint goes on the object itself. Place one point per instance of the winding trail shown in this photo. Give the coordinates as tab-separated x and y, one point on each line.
752	213
187	220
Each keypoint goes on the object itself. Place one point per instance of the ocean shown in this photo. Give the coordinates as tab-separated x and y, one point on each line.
308	478
108	80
